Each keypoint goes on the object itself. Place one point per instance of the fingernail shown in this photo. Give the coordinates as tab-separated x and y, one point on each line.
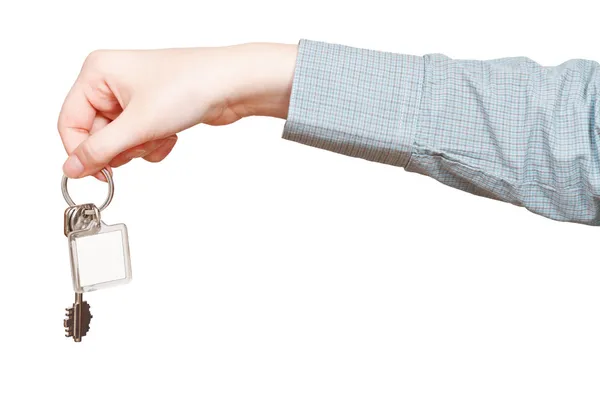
100	176
73	168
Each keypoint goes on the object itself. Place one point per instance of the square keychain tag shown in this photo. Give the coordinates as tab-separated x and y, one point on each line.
99	257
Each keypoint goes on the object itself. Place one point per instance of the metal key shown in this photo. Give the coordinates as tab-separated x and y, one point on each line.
77	323
78	317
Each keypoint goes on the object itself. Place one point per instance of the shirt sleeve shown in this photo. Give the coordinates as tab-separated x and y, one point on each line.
507	129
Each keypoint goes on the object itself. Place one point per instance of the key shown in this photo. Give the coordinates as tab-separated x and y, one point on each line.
99	255
77	323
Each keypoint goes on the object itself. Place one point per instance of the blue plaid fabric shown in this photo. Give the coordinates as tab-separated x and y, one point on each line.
506	129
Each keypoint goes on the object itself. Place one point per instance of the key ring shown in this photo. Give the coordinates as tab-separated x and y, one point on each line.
111	190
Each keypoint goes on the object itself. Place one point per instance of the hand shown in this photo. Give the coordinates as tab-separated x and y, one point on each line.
130	104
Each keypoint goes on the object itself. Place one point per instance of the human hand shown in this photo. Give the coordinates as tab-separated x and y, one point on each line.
130	104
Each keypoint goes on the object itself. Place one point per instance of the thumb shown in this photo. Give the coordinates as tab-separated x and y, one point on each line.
95	152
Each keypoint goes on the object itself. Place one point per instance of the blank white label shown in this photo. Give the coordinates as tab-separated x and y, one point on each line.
101	258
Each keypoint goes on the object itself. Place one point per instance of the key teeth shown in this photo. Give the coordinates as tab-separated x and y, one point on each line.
83	312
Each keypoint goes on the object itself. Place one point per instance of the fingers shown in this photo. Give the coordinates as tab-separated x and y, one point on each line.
163	150
76	118
99	123
100	176
153	147
97	150
83	113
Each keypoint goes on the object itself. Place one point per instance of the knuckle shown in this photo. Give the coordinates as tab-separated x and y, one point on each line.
65	120
94	56
95	59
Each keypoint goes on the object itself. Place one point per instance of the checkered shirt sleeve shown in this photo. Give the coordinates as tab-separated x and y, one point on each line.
507	129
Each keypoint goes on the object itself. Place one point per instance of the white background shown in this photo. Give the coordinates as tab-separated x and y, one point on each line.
264	269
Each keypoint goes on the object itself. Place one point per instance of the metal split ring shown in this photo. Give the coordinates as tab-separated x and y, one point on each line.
111	190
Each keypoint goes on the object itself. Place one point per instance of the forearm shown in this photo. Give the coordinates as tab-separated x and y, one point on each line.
506	129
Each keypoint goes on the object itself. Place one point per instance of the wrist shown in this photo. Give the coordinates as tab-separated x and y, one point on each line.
265	84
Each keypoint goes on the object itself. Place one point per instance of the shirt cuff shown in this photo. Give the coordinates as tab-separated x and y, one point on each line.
357	102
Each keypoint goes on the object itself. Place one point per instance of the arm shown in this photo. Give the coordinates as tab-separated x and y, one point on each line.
506	129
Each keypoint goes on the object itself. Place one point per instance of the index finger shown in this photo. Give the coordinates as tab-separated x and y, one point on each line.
76	121
76	118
